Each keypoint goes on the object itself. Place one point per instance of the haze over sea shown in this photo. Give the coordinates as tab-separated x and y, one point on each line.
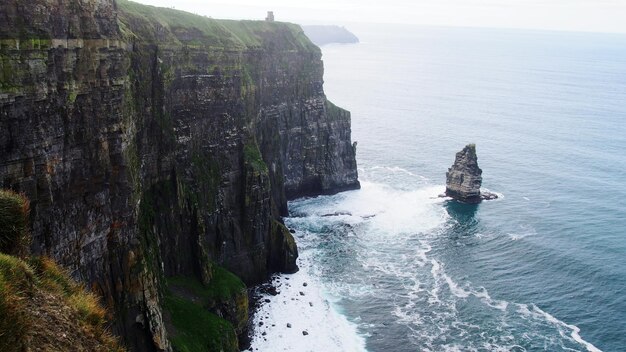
392	267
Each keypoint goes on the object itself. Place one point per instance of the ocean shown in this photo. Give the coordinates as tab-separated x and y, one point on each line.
393	267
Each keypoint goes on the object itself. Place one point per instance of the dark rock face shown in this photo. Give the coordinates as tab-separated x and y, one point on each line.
464	178
150	149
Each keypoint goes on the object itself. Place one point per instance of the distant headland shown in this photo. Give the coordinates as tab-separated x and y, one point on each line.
327	34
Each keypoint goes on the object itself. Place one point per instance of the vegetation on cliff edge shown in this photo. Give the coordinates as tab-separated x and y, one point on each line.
175	26
41	307
14	210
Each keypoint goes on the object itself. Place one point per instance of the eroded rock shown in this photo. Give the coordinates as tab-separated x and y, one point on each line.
464	178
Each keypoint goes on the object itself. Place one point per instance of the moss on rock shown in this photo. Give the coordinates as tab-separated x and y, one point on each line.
207	317
252	156
195	329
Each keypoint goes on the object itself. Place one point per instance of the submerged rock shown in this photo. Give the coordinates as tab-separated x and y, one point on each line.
464	178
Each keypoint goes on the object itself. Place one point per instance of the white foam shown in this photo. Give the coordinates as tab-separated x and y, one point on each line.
399	212
313	312
397	169
389	211
486	298
575	330
486	190
378	215
519	236
459	292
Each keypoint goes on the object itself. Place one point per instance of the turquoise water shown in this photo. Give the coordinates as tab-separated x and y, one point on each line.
544	267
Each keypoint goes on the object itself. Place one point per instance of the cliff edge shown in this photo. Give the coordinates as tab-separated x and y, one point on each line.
41	308
157	144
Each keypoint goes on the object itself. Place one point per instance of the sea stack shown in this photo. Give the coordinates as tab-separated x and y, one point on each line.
464	178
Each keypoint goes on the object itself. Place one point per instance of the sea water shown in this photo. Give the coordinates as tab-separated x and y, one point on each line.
393	267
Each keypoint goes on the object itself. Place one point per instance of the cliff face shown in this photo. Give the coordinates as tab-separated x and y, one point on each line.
155	143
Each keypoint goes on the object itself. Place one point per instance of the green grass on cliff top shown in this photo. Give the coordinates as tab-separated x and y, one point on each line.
175	26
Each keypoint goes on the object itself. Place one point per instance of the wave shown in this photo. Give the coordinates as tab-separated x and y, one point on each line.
381	248
387	210
519	236
483	294
397	169
574	331
302	317
460	292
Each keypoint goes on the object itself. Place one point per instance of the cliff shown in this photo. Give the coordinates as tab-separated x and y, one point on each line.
155	144
322	35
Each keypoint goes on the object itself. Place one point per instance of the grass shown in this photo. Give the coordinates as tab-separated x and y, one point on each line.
223	286
36	292
174	26
52	277
197	329
38	300
14	322
14	234
89	309
189	302
55	279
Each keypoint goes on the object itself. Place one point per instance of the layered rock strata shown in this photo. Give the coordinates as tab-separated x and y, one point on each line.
155	143
464	178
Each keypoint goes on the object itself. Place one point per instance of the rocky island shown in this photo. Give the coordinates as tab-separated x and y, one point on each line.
464	178
158	150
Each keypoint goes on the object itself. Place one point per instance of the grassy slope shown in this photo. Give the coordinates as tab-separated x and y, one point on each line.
41	308
14	210
194	327
175	27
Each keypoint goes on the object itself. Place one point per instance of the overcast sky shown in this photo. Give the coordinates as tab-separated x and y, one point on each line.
577	15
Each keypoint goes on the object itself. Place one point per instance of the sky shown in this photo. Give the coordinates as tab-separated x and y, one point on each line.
569	15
